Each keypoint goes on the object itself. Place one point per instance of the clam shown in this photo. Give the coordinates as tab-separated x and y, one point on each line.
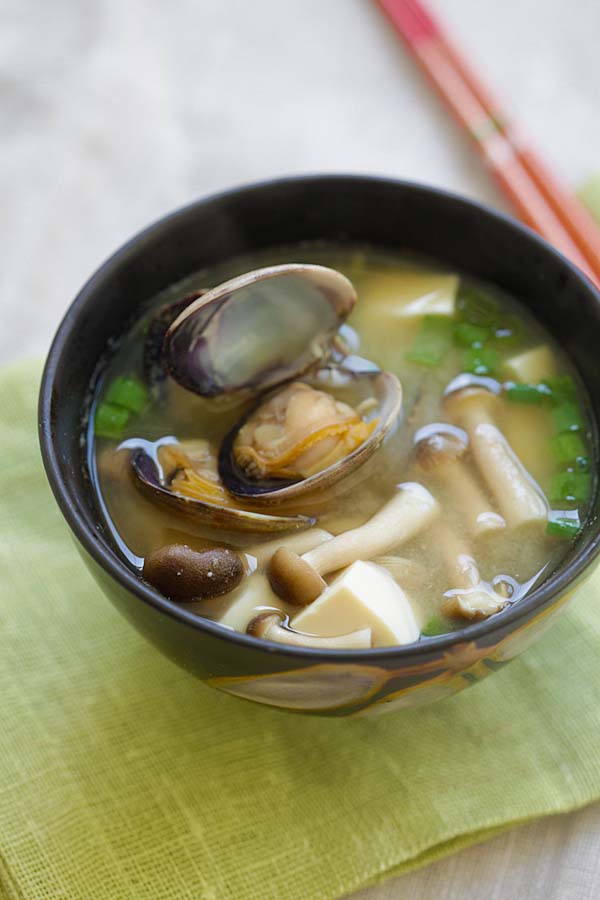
258	330
319	410
256	336
300	439
184	476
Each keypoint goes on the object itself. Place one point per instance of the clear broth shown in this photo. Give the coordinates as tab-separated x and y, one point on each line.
140	527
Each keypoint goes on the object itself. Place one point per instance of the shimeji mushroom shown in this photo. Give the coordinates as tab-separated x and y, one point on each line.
520	500
300	542
270	627
184	575
298	579
440	450
473	603
469	597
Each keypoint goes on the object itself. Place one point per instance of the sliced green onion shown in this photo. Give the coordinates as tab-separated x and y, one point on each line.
582	464
563	388
526	393
568	448
567	417
481	361
573	487
436	625
563	528
110	420
477	308
432	341
468	335
128	392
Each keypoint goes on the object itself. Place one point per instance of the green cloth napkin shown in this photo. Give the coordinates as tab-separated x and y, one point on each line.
589	193
123	777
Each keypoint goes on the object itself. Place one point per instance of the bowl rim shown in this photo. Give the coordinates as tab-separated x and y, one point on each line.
83	526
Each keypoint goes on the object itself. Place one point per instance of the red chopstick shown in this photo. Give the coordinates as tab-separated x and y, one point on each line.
573	214
537	195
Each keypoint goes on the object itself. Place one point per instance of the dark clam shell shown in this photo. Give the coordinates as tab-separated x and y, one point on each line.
148	477
153	365
258	330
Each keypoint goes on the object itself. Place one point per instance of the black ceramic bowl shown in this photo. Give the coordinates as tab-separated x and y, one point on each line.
385	213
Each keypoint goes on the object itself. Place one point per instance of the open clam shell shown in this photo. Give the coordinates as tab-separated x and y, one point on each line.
153	365
386	390
258	330
151	479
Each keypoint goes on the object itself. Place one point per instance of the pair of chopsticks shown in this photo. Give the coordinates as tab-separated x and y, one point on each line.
537	195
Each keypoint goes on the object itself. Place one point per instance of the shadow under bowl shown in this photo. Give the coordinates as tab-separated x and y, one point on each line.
392	215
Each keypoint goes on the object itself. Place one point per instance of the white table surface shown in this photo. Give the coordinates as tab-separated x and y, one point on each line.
116	111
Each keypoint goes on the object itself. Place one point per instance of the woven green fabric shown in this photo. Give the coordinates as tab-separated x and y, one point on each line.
123	777
590	194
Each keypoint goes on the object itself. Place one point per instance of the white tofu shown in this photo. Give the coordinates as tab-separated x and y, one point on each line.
412	295
532	366
405	297
252	597
439	301
364	596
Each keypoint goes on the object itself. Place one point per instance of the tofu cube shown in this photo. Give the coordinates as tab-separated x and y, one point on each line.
253	596
412	295
532	366
438	299
364	596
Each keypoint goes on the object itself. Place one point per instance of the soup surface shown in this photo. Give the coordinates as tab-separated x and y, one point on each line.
473	498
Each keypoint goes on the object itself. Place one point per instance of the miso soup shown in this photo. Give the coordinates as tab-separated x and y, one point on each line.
333	461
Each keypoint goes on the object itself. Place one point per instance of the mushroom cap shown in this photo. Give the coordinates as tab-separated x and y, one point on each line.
457	402
183	574
474	392
474	603
293	579
261	625
438	444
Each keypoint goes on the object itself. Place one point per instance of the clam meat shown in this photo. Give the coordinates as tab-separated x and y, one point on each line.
298	432
184	476
301	438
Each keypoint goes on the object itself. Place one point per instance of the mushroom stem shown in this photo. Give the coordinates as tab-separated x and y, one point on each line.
298	543
402	517
463	488
440	449
519	498
298	579
461	569
269	627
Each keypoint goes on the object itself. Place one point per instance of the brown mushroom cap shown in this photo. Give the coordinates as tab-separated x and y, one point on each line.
473	396
436	445
260	625
183	574
293	579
